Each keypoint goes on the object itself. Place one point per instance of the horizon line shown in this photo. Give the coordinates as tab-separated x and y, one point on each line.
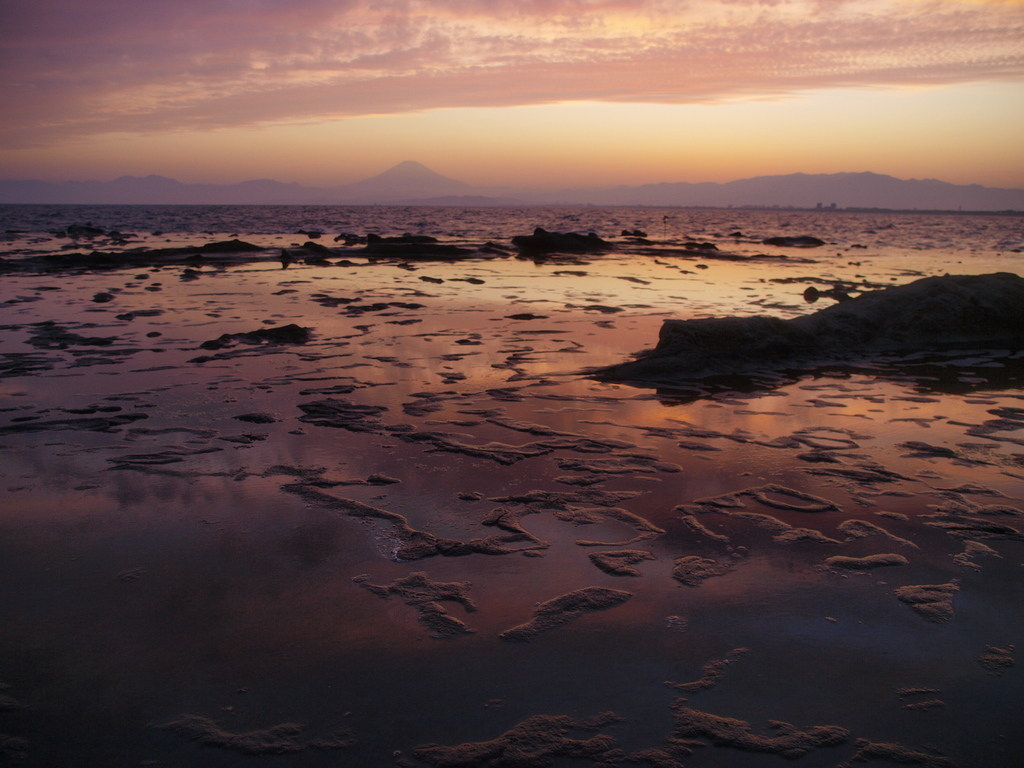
610	185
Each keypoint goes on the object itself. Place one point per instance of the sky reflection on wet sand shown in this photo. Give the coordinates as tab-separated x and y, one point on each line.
168	567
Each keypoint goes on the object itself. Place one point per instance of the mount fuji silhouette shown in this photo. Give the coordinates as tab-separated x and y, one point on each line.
412	183
408	180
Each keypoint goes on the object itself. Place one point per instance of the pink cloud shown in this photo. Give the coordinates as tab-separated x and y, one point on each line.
115	65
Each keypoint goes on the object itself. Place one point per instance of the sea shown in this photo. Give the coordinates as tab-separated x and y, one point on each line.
263	224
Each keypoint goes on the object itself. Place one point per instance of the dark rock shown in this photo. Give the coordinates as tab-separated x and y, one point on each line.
802	241
128	316
49	335
255	418
84	230
542	241
332	301
405	239
341	414
412	247
692	570
103	298
919	450
621	562
842	562
564	609
494	248
837	292
321	250
229	246
284	334
931	313
426	596
93	424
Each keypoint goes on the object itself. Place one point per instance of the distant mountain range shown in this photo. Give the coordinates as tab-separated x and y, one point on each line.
411	183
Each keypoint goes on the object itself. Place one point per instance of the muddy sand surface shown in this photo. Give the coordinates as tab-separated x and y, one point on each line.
378	513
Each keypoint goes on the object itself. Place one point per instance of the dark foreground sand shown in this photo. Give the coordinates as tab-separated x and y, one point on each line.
377	514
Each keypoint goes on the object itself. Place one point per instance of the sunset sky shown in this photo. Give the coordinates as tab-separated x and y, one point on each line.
552	93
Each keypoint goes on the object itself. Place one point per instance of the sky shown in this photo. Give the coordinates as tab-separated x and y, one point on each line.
544	93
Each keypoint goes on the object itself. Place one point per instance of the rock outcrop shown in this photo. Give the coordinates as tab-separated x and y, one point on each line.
931	313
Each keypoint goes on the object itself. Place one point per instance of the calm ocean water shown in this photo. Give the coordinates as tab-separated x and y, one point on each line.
906	230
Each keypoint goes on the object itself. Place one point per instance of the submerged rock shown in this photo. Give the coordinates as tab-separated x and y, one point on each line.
931	313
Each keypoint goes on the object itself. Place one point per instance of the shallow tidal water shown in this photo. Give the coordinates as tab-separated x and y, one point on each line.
209	550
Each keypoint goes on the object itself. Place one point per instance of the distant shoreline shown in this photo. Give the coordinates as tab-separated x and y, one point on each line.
778	208
412	184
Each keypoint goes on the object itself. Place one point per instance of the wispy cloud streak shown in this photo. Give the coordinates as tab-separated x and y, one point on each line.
123	65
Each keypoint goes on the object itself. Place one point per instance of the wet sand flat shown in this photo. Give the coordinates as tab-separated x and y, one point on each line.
378	512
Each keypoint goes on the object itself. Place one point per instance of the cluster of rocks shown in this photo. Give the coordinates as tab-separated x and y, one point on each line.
542	244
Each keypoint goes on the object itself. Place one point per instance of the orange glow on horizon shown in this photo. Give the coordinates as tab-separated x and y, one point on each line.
907	133
551	93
